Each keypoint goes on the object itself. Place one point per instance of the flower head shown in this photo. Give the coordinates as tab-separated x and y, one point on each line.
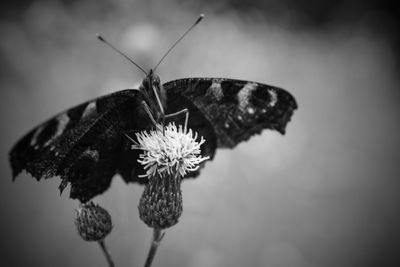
168	155
168	152
93	222
161	203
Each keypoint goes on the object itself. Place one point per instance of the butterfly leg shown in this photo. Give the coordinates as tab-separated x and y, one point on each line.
186	111
147	109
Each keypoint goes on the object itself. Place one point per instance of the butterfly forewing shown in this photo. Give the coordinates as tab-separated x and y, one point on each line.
84	145
234	109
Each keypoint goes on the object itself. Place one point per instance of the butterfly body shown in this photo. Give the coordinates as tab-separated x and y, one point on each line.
154	96
86	145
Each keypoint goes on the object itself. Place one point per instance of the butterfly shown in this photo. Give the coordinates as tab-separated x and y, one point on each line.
86	146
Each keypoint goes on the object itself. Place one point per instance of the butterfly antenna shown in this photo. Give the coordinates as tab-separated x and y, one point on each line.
177	41
119	52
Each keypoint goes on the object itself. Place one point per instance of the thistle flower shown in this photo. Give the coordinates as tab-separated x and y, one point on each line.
173	151
93	222
167	157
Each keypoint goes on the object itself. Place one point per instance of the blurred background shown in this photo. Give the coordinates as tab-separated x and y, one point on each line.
325	194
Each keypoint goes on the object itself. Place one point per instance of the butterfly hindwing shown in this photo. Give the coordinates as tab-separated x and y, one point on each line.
234	109
83	145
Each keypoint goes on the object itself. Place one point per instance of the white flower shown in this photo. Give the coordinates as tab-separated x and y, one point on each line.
173	151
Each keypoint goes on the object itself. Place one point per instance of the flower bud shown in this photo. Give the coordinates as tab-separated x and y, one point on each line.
161	203
93	222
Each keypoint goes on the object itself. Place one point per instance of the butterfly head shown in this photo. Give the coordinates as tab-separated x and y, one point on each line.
151	79
154	93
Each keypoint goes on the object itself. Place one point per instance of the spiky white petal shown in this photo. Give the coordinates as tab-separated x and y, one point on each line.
173	151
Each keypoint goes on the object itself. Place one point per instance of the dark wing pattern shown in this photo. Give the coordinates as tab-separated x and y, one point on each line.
234	109
84	146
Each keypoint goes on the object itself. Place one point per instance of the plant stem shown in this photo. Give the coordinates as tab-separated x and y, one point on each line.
157	237
106	253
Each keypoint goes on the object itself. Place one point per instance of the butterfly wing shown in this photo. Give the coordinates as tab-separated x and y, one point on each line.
85	145
234	109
